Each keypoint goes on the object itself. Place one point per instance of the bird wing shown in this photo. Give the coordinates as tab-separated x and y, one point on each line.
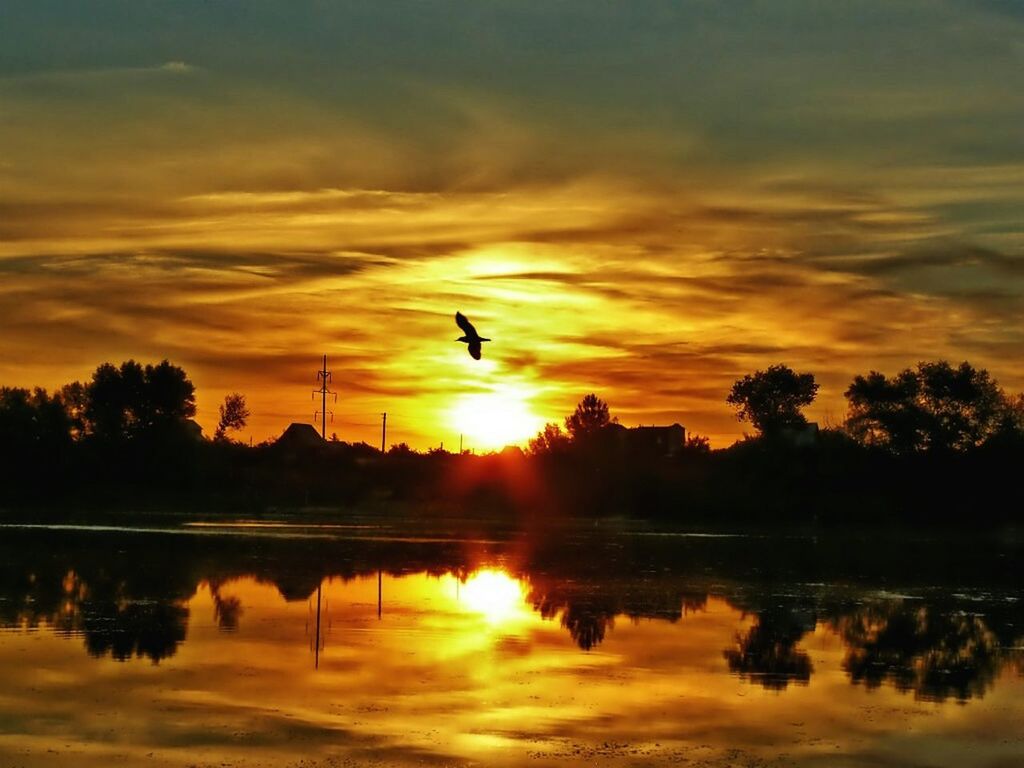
465	325
474	349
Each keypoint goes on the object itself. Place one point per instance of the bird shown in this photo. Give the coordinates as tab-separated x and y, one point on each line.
471	337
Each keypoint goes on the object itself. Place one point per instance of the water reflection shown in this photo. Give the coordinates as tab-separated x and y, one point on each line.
227	609
138	605
768	652
922	649
554	638
494	594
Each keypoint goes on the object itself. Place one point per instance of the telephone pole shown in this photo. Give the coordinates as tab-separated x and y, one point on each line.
324	377
383	431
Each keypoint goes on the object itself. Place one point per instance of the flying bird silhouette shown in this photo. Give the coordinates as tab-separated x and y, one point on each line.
471	337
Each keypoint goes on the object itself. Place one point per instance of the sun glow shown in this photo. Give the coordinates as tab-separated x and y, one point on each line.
494	594
495	419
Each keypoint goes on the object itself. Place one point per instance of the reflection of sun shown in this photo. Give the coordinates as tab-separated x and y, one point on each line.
494	594
496	419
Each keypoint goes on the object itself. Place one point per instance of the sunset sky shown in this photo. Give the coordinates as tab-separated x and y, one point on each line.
646	200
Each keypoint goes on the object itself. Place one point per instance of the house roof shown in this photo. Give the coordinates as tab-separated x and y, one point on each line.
299	435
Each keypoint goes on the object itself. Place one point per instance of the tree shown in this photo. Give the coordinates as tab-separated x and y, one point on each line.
771	399
589	418
32	420
1012	417
168	396
75	397
125	402
886	412
963	404
233	415
698	444
17	417
549	440
935	407
106	404
52	423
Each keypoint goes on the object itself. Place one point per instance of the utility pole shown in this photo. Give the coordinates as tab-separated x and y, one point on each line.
383	431
460	443
324	377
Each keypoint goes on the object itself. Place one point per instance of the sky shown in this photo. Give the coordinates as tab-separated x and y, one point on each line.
645	200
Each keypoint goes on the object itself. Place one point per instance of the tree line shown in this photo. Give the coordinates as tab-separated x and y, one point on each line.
924	443
933	407
119	403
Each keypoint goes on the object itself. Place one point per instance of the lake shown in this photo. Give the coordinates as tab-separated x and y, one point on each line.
416	643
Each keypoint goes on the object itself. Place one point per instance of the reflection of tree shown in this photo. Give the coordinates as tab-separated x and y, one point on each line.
588	613
141	615
768	652
586	625
105	615
918	648
1015	658
135	604
150	629
227	609
585	616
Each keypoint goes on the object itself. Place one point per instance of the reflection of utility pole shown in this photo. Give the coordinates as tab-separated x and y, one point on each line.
316	656
383	431
324	376
379	593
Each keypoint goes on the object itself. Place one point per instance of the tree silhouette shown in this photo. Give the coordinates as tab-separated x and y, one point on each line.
771	399
17	416
106	409
234	415
168	395
698	444
1011	420
885	412
550	440
963	404
935	406
33	419
75	397
131	400
589	418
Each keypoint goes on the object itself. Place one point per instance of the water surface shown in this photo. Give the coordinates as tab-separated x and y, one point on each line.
281	645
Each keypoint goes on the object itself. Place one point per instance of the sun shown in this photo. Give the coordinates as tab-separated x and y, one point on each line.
491	420
494	594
